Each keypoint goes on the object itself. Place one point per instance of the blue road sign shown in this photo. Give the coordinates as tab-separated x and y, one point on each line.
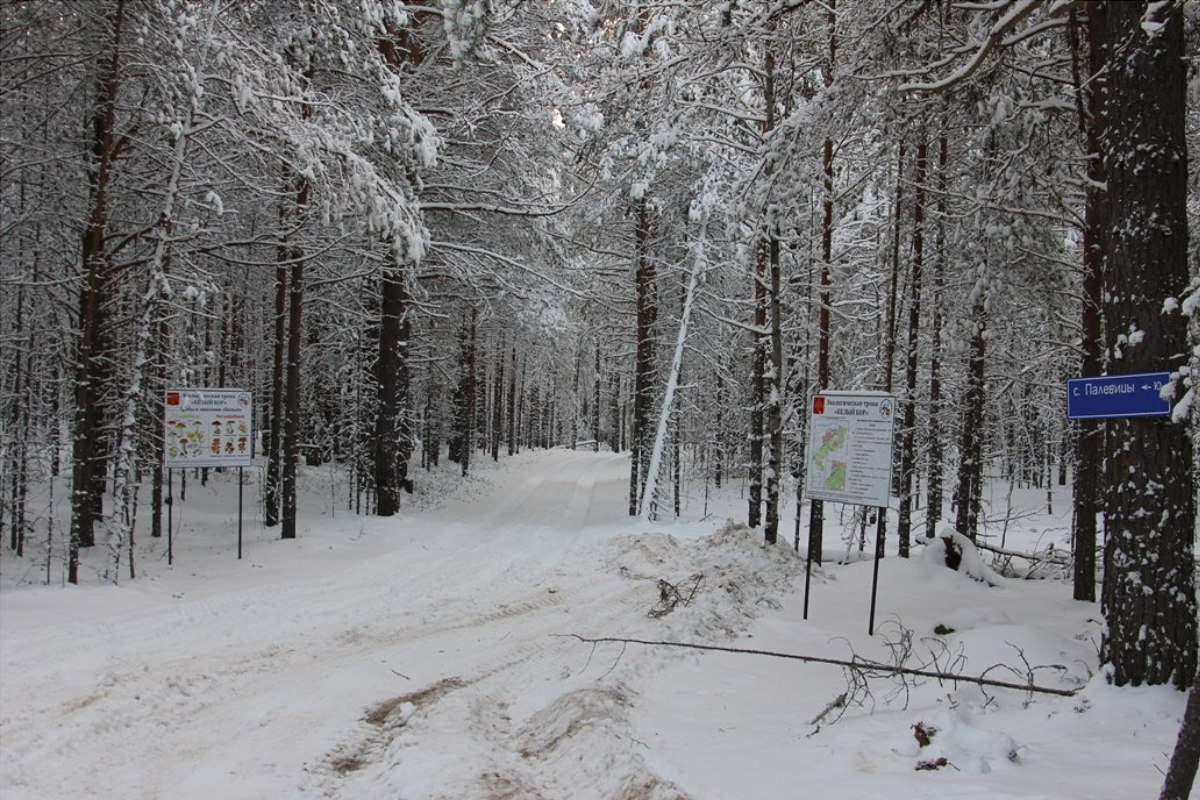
1118	396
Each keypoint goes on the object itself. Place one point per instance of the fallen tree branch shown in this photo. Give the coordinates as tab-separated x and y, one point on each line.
1059	556
855	664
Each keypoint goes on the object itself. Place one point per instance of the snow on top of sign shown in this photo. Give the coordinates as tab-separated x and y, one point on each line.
854	393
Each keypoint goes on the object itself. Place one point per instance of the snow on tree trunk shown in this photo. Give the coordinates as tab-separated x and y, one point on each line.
83	439
664	418
119	522
1090	433
1149	595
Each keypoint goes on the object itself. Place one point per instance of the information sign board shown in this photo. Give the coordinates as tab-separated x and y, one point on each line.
1113	396
849	456
208	428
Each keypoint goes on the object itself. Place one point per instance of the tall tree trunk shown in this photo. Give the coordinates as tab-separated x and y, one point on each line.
816	510
275	426
908	443
19	422
291	412
758	385
799	401
84	434
649	497
765	421
596	402
1149	597
644	359
498	402
1181	773
934	513
512	404
391	423
521	408
162	342
775	399
468	422
291	417
614	410
1090	433
889	343
120	528
970	473
575	411
677	453
718	435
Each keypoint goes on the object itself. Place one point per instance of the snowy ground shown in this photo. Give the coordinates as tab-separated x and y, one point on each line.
429	656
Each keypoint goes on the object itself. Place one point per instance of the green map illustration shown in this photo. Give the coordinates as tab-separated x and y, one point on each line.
830	457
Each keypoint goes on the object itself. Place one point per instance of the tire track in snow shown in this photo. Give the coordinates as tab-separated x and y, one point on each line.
173	705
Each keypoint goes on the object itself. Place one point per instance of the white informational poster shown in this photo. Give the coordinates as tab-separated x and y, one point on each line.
849	456
208	428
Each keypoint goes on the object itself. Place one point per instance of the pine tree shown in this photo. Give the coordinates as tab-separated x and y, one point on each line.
1149	596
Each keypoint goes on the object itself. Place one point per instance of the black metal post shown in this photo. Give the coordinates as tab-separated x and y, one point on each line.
239	513
170	516
808	573
875	577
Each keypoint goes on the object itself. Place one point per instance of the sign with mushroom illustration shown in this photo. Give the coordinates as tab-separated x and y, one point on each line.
208	428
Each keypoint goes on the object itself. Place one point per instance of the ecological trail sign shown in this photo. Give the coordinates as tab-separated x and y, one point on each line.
849	460
206	428
1113	396
850	447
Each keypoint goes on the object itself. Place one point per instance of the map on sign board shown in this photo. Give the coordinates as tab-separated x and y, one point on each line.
850	447
208	428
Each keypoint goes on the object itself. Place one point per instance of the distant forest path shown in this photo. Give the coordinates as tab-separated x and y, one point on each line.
255	689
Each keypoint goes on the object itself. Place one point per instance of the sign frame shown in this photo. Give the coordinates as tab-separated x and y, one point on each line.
1136	401
862	425
205	427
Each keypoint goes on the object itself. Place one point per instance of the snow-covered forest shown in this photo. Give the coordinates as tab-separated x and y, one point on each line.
526	298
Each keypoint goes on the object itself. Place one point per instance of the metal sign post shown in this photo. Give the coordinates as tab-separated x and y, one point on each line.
240	513
170	516
849	460
875	571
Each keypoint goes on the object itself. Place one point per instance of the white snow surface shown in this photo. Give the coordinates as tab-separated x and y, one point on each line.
428	656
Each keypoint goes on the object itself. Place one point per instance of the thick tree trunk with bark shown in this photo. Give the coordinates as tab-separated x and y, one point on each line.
84	435
934	506
816	518
774	421
291	414
1089	437
969	492
1181	773
512	404
467	431
644	363
816	509
1149	596
889	342
391	421
757	386
614	412
908	438
596	402
275	425
498	402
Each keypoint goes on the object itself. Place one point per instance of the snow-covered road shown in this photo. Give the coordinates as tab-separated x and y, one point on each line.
259	687
429	656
